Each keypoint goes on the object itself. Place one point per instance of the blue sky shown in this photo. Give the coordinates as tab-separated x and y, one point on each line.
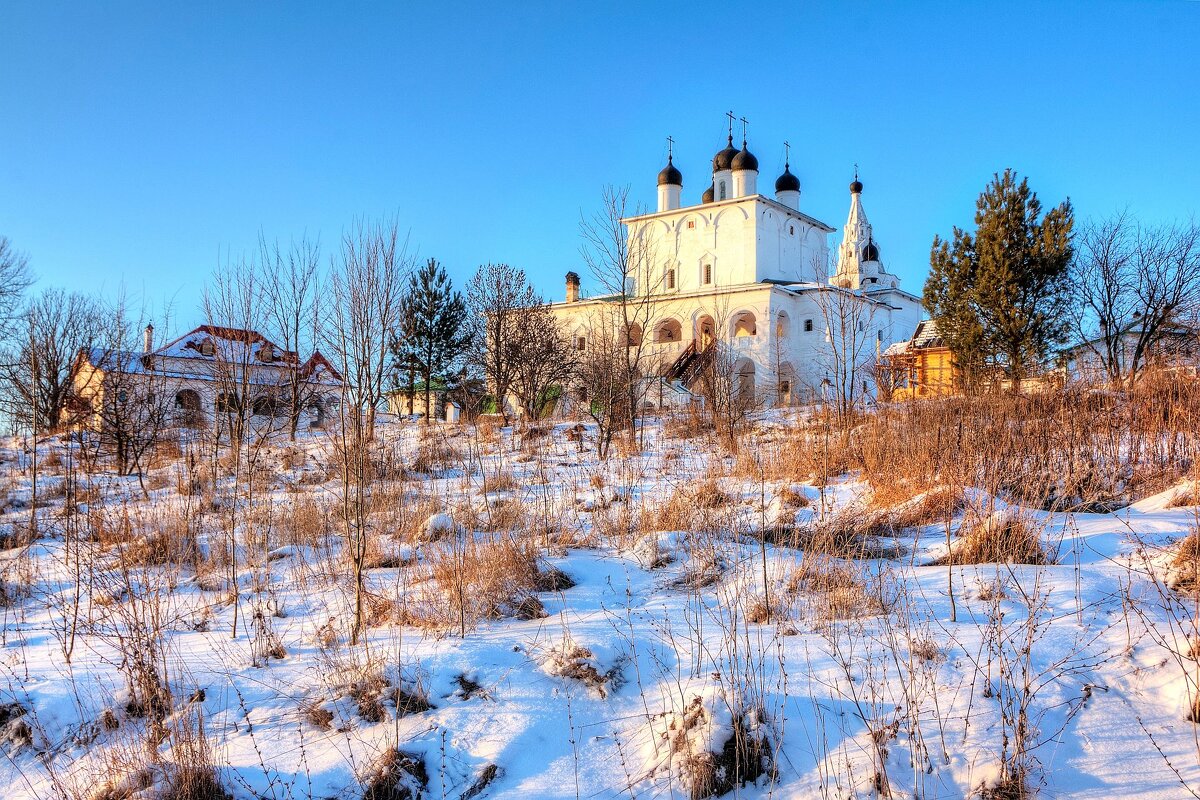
142	141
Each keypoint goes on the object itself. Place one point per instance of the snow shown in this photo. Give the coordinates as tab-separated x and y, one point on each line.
640	665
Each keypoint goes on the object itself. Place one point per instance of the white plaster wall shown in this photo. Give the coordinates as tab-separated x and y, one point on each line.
746	241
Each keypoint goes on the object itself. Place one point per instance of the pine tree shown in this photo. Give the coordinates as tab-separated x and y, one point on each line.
434	331
1001	294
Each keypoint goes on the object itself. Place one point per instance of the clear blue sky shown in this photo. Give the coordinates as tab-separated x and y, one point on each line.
141	141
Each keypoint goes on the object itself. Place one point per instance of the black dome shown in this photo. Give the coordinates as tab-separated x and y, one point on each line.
709	195
787	182
724	159
745	159
856	187
870	252
670	175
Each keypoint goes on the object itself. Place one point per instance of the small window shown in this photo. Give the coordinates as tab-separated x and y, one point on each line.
707	273
879	335
691	223
581	343
792	230
808	326
670	279
122	396
207	348
861	326
721	195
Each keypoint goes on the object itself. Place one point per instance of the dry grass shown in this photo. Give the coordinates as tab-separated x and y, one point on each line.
833	589
1185	498
192	774
304	522
1185	566
791	497
471	579
849	534
396	775
435	457
1000	538
689	507
1073	449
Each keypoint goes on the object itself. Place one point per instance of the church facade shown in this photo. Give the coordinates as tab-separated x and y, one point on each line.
750	274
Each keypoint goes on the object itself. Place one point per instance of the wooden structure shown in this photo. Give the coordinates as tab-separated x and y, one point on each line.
920	367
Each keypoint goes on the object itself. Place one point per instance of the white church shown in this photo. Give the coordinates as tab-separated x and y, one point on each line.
744	271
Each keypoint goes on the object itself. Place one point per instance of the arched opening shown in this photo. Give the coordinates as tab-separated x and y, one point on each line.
781	325
187	400
227	403
669	330
705	332
744	324
786	390
264	406
722	193
633	335
743	384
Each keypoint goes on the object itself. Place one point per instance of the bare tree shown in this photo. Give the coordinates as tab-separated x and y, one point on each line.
726	385
39	372
128	397
499	298
291	286
1132	283
233	306
365	302
15	278
547	360
600	378
851	343
626	268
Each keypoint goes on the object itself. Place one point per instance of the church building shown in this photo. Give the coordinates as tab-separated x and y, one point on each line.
744	271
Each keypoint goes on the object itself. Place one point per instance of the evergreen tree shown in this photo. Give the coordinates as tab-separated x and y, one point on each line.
1001	294
433	331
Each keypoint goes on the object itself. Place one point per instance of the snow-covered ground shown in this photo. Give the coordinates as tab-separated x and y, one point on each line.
837	678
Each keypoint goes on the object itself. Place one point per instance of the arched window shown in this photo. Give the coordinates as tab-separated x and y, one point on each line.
808	326
227	403
721	194
744	324
633	335
187	400
781	325
669	330
264	406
